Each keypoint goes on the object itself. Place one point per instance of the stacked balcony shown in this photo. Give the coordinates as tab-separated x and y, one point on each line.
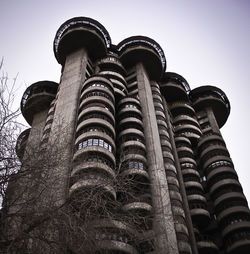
230	204
172	179
21	143
112	69
135	196
195	193
205	244
48	124
94	156
37	98
113	236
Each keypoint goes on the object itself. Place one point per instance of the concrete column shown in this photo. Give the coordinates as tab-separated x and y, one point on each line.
182	186
61	140
212	120
165	236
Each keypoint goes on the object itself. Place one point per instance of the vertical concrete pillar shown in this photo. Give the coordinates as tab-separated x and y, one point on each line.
61	140
212	120
165	236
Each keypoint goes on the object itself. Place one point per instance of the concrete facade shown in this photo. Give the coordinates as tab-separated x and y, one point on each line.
118	115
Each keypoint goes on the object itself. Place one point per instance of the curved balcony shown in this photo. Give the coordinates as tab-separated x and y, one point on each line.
221	186
181	108
97	167
93	112
214	162
97	101
86	92
112	246
128	112
21	143
174	87
182	141
204	140
37	98
95	122
140	208
93	185
227	200
188	130
214	150
239	243
131	131
188	160
137	123
114	237
81	32
206	246
128	100
231	212
212	97
199	214
138	175
96	135
219	173
85	152
143	49
185	152
111	75
111	63
185	119
98	81
234	227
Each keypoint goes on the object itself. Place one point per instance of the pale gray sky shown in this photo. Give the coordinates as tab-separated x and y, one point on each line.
207	42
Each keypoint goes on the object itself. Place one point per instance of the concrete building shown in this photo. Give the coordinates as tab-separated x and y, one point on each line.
127	118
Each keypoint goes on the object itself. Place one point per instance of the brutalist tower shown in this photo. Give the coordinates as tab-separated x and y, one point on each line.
142	141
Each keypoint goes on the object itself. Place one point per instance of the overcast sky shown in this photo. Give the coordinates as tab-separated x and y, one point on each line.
207	42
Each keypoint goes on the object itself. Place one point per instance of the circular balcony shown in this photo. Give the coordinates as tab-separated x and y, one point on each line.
89	150
174	87
95	123
185	119
216	161
135	122
21	143
219	173
206	140
181	108
143	49
96	135
112	63
211	97
206	246
98	166
214	150
91	188
93	90
98	81
113	236
81	32
96	112
223	185
228	199
37	98
240	243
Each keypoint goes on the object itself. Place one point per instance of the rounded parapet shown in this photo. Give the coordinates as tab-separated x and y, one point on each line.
174	86
143	49
37	97
81	32
111	62
211	97
21	143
